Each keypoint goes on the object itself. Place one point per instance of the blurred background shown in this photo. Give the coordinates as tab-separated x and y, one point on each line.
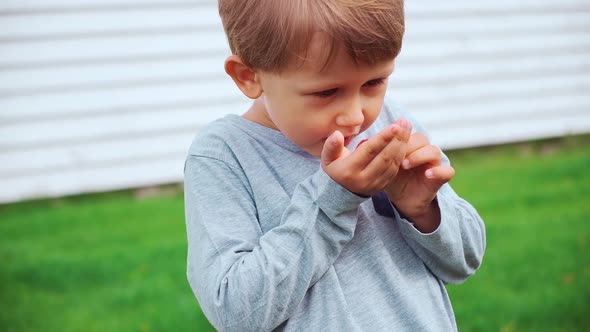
99	101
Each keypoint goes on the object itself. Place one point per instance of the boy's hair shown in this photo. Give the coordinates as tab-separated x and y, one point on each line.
268	34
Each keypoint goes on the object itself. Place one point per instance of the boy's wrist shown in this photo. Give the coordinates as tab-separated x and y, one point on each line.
425	220
326	190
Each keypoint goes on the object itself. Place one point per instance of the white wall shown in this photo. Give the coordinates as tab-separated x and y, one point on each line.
102	95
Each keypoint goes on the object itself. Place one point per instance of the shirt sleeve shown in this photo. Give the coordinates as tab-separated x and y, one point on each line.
454	251
244	279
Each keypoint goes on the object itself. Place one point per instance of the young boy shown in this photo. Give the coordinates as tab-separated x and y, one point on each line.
293	227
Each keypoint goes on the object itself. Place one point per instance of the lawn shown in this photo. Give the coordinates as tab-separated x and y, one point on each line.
116	261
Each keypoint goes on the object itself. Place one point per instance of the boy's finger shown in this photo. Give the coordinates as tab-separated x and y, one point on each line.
371	148
417	140
393	153
405	134
400	130
440	174
332	148
428	154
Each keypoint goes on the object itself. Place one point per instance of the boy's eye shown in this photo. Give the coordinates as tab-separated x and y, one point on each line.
325	93
329	93
374	83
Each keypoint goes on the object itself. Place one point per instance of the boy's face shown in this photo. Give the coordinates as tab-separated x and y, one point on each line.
307	103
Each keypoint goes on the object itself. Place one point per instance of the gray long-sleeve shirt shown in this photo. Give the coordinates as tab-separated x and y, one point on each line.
275	243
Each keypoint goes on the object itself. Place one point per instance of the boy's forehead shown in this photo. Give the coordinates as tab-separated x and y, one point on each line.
325	59
321	54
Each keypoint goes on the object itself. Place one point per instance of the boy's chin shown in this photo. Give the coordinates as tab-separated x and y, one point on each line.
315	151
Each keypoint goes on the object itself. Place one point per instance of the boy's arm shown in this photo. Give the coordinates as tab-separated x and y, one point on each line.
453	251
247	280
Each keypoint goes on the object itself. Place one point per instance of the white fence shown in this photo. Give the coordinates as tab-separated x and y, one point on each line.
102	95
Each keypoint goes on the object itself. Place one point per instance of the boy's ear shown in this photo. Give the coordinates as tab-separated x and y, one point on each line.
244	77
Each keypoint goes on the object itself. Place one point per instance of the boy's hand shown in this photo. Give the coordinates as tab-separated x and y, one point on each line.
415	186
370	168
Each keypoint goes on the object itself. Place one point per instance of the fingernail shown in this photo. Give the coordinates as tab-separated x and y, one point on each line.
429	174
406	164
405	124
394	128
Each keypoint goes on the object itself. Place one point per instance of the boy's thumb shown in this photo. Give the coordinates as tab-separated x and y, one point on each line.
332	148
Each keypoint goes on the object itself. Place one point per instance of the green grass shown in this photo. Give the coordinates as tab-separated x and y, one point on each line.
116	262
535	200
96	263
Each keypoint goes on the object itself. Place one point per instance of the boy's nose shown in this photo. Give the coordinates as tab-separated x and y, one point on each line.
351	117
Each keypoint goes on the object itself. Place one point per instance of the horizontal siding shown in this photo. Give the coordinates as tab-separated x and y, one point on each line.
28	7
490	73
102	95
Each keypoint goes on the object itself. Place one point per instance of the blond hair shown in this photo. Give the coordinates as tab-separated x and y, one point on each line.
268	34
